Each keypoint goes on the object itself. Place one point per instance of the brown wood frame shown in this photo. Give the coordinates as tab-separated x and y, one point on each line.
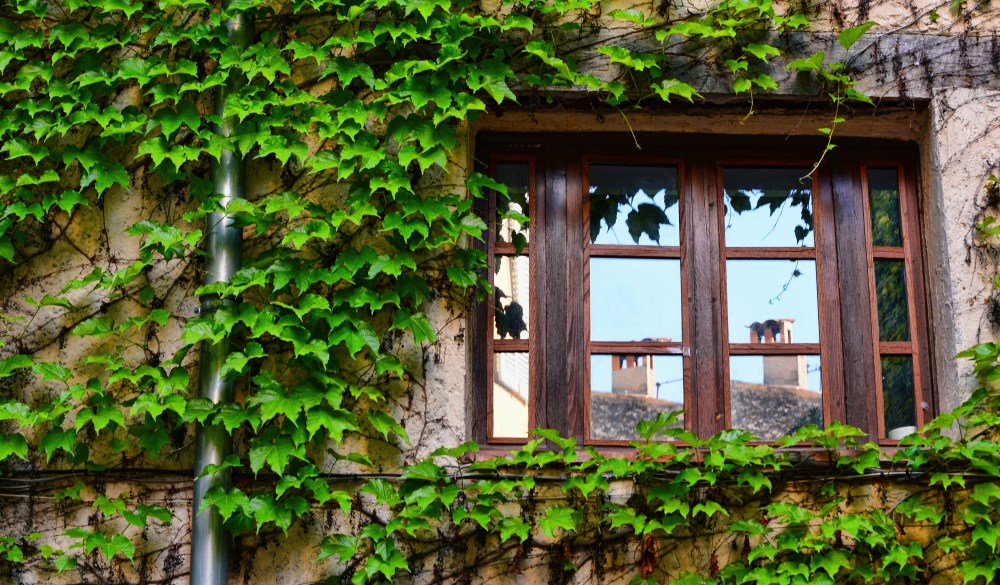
914	293
812	253
559	343
591	250
496	250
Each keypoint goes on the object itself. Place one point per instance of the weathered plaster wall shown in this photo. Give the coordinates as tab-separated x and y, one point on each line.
940	87
959	152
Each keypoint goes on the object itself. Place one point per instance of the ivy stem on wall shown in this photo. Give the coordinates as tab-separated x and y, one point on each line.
209	543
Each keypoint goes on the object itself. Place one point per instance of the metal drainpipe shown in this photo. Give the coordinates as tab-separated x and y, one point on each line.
209	542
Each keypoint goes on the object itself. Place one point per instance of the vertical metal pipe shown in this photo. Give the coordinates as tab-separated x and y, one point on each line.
209	543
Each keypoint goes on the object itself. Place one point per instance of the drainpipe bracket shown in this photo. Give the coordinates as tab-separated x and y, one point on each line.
210	305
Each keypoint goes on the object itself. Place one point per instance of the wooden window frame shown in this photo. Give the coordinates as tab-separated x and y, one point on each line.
559	250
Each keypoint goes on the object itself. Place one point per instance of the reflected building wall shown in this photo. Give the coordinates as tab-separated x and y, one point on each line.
511	371
510	395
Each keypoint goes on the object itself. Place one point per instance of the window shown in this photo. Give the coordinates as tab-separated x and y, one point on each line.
709	274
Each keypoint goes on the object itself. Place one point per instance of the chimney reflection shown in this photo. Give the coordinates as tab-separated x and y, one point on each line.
779	370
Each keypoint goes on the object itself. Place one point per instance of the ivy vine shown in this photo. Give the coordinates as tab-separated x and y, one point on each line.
352	113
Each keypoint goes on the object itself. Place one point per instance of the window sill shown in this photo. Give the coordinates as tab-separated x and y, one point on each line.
806	454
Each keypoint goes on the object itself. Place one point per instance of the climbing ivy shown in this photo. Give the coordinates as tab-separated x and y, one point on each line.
352	115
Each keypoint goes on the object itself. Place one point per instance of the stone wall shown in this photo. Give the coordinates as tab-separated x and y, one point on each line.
772	412
938	85
614	416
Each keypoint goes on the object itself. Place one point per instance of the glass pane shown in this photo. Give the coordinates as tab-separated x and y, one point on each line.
898	404
775	395
510	298
625	389
510	394
635	299
763	293
632	205
768	207
883	195
512	209
890	298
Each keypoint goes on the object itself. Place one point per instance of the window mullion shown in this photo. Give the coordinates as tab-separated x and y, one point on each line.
704	267
831	335
857	327
918	294
901	375
553	282
481	338
577	407
508	395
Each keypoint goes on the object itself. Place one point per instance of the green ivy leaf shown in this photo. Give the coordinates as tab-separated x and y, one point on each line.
14	363
709	509
631	59
13	444
831	562
513	526
383	491
110	546
64	563
813	63
946	480
762	51
418	324
58	440
984	493
18	147
765	82
6	249
559	517
170	120
52	371
347	70
633	15
336	421
101	417
227	502
153	440
384	424
276	454
274	402
756	480
50	301
425	471
342	546
854	95
848	37
104	176
455	452
229	462
673	87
